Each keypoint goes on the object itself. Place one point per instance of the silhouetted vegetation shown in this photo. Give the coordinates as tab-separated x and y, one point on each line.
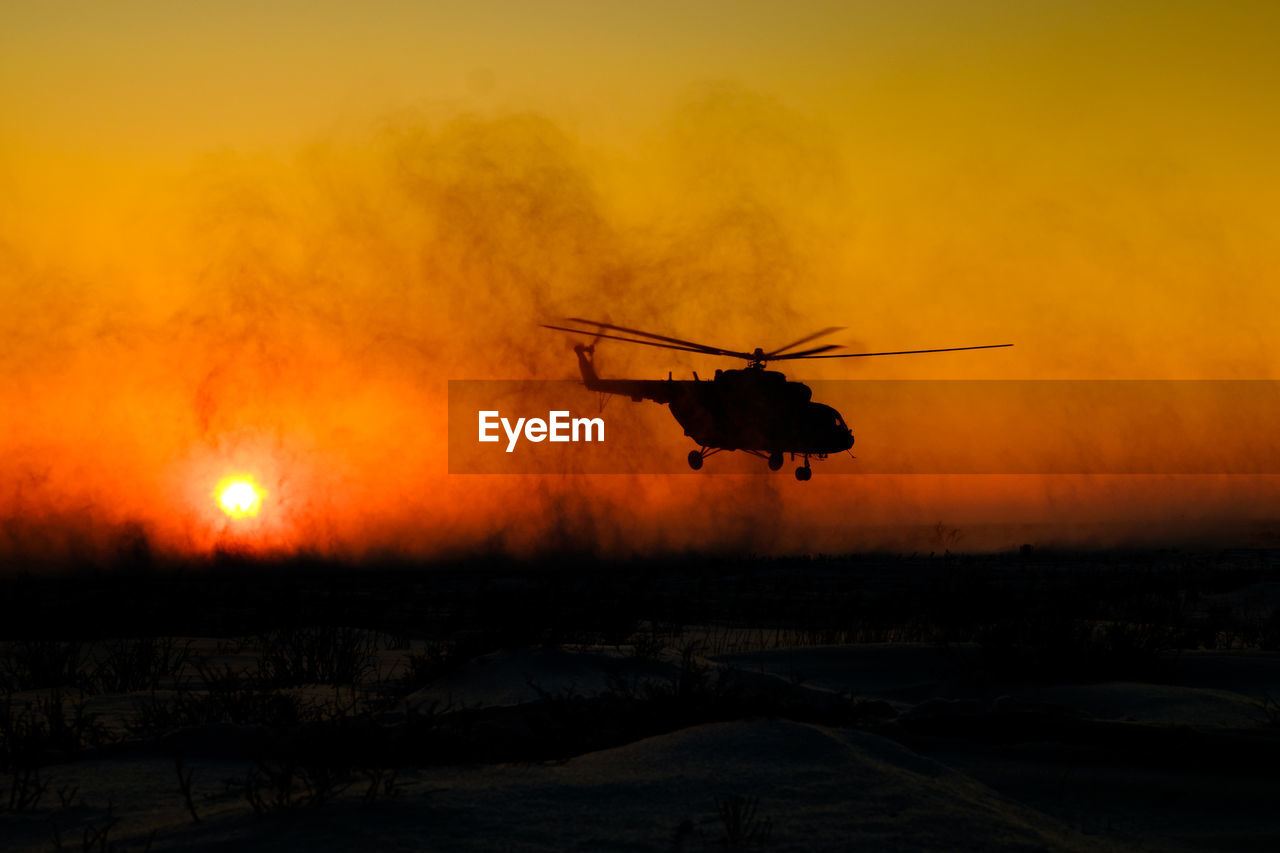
316	655
29	664
309	680
124	666
743	825
37	730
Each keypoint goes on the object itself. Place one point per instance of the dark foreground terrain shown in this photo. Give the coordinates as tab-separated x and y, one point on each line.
1016	701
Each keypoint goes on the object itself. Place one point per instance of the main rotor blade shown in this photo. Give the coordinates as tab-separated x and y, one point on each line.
806	340
900	352
805	353
691	345
617	338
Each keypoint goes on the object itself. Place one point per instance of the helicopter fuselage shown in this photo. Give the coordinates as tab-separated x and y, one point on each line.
751	409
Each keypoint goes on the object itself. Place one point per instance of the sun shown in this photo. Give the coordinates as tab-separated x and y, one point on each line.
239	497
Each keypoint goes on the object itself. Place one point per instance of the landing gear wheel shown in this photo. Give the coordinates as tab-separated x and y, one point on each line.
803	473
775	461
695	459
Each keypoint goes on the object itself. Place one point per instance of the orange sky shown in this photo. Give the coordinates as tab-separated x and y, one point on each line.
260	238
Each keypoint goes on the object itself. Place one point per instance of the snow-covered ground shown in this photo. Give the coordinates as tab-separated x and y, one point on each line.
812	786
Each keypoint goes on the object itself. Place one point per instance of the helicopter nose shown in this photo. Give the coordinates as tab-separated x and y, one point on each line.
842	439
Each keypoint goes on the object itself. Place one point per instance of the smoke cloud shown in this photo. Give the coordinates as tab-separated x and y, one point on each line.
298	319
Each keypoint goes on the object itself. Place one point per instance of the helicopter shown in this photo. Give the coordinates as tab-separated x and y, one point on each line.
751	409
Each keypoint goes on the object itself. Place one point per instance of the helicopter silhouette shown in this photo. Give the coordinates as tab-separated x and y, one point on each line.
750	409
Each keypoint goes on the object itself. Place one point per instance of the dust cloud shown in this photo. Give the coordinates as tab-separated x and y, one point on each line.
298	318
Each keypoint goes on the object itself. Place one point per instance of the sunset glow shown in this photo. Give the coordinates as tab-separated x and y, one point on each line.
265	237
